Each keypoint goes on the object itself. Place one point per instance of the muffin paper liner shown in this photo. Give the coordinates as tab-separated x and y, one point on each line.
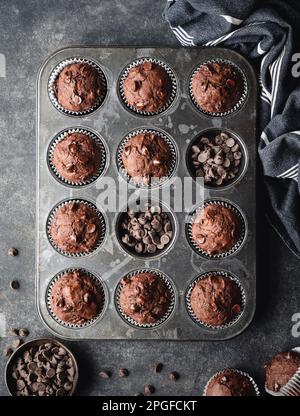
58	138
242	168
102	227
154	183
238	244
237	105
236	371
158	253
56	71
203	276
131	321
124	75
101	290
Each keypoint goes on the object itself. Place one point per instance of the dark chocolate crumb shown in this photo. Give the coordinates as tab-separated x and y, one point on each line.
158	367
104	375
16	343
174	376
13	332
23	332
12	251
149	389
123	372
7	352
15	284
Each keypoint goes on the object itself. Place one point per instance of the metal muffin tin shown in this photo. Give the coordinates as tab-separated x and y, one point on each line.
113	121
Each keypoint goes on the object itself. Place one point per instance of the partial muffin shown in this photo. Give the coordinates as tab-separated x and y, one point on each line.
77	157
216	229
75	228
216	300
147	87
78	87
230	383
146	156
75	298
217	87
144	297
281	369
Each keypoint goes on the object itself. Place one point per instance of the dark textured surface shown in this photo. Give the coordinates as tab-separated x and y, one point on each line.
29	32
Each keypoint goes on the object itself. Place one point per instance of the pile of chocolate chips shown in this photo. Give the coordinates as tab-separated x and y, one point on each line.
216	159
147	232
45	370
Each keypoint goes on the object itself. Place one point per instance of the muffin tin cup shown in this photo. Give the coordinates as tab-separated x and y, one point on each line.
62	135
236	106
173	164
53	77
220	273
236	371
243	229
292	387
103	227
124	75
95	279
210	133
162	320
147	256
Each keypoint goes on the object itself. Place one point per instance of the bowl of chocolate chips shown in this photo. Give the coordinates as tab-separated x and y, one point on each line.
41	367
217	156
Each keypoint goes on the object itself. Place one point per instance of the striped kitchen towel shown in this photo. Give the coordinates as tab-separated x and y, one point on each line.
267	33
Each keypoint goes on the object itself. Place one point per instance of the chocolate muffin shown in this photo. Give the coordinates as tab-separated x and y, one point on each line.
281	369
75	228
78	87
146	156
75	298
147	87
217	87
144	297
216	229
230	383
77	157
216	300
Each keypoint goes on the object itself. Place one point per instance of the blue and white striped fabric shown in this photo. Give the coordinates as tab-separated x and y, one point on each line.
267	33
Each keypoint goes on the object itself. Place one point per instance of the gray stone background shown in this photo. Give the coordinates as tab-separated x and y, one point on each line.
29	32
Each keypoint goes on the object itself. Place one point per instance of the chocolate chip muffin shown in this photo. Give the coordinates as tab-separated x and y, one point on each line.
75	228
75	298
230	383
146	157
216	300
281	369
78	87
217	87
147	87
216	229
77	157
144	297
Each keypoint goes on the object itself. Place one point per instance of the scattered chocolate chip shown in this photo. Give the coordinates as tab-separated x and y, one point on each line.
12	251
149	389
174	376
14	284
23	332
123	372
7	352
158	367
13	332
16	343
104	374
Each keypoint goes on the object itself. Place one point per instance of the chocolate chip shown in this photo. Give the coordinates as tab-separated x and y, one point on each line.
174	376
12	251
14	332
104	375
158	367
23	332
123	372
7	352
149	389
14	284
16	343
